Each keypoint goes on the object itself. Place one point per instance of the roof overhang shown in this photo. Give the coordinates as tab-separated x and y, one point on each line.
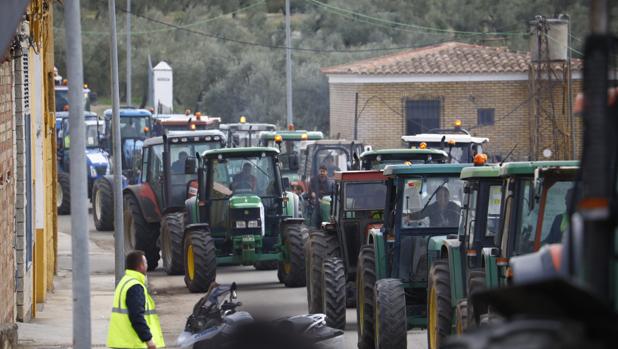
412	78
436	138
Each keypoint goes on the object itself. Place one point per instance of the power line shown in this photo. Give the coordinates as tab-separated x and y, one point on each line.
256	44
416	27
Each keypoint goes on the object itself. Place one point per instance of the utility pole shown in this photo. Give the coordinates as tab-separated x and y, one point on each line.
129	102
116	150
79	185
288	63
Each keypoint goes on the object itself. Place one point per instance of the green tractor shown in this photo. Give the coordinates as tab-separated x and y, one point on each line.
154	207
534	196
378	159
331	253
290	143
242	216
422	201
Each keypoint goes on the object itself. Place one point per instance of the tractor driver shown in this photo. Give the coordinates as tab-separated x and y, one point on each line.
244	179
442	213
178	167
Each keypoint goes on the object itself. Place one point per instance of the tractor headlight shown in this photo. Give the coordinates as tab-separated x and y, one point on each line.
253	224
241	224
93	171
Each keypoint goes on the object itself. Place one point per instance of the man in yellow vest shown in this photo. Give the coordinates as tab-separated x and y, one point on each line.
134	322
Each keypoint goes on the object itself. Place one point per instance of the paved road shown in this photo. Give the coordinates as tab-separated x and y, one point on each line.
259	291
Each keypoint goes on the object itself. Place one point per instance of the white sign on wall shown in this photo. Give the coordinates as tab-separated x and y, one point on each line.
163	88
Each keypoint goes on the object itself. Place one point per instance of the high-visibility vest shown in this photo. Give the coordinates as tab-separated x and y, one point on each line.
121	333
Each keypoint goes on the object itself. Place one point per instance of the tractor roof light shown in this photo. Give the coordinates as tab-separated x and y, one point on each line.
243	119
451	142
480	159
457	124
146	129
65	82
423	145
304	137
278	139
86	86
198	115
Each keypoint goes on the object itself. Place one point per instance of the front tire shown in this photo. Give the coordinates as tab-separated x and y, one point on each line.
103	205
292	270
334	292
172	234
365	285
139	234
321	247
439	312
200	260
390	315
64	193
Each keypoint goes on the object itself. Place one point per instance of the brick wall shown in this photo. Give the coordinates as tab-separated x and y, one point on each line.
7	200
382	111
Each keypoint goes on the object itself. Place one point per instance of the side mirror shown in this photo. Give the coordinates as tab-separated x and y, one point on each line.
285	183
201	183
190	165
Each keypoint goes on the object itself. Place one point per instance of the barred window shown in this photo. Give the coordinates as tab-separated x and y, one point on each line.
486	116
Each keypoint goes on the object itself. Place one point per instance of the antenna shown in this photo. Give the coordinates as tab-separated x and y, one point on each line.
508	155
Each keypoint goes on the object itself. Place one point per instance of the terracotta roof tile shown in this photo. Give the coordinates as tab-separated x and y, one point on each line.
446	58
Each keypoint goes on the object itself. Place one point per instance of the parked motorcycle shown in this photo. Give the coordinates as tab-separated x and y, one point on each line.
216	323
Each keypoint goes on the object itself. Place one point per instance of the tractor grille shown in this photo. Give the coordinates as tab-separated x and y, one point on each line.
245	215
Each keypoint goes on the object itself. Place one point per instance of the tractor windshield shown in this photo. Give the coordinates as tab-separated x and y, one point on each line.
289	155
93	132
244	138
179	152
554	221
134	127
246	175
335	159
365	196
432	202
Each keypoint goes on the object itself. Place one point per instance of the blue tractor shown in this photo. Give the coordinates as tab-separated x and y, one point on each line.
97	159
135	127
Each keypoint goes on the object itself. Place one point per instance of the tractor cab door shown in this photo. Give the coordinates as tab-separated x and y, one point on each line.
218	197
156	174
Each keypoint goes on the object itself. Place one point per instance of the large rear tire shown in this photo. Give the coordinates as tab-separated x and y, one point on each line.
103	205
333	292
390	315
439	311
461	317
64	193
200	260
321	246
139	234
172	234
476	283
365	285
292	269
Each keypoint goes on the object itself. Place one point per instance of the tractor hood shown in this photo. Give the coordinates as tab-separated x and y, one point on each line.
246	207
96	157
245	201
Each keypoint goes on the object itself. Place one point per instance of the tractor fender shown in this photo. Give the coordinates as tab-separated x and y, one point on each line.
172	210
444	247
192	209
291	206
292	221
377	240
196	226
110	179
490	266
147	201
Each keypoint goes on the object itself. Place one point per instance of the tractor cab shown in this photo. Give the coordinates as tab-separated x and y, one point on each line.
164	123
135	127
62	98
535	198
457	267
249	217
457	142
378	159
244	134
336	155
422	201
290	144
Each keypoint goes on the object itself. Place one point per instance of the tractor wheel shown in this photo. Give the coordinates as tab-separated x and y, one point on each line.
439	312
200	260
461	317
365	285
103	205
63	193
292	270
138	234
321	246
525	333
476	283
266	265
172	233
333	292
390	315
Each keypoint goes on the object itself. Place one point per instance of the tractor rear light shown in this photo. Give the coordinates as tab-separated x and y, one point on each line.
253	224
471	253
423	145
390	237
501	261
207	138
278	139
241	224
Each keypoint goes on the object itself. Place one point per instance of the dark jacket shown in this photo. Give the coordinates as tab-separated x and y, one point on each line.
448	217
320	186
136	302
